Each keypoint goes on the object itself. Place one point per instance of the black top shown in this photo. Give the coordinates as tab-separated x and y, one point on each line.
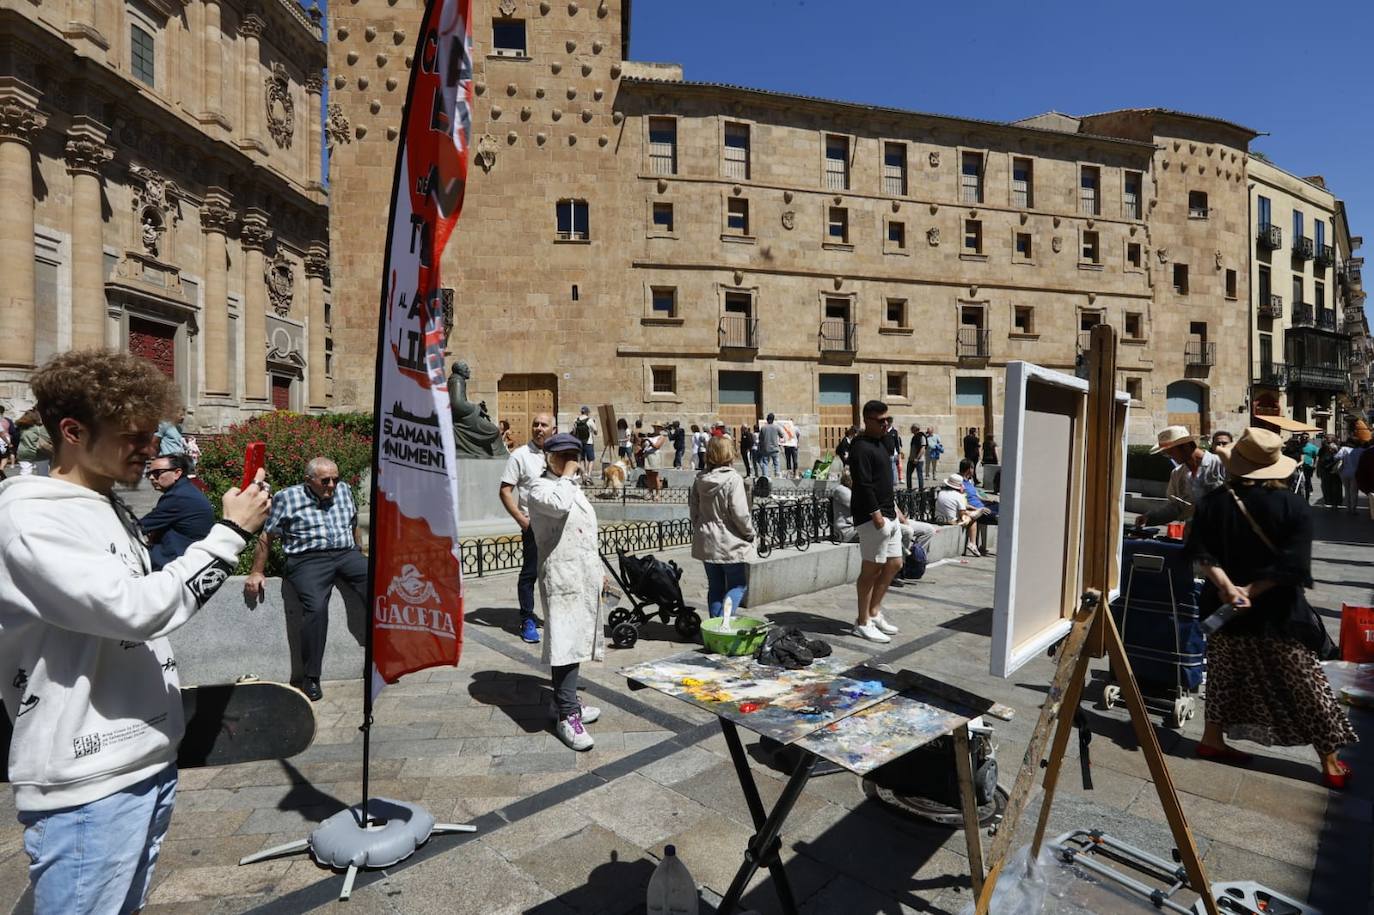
1221	535
918	441
971	447
842	449
870	466
990	453
892	439
181	517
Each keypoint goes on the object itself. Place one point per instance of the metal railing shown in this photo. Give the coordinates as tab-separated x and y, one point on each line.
1269	236
971	343
838	336
1302	314
1302	249
1273	308
1272	374
1326	319
1200	353
739	332
1198	212
1325	256
1317	375
1351	273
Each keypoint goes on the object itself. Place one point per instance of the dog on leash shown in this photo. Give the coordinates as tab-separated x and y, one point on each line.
614	476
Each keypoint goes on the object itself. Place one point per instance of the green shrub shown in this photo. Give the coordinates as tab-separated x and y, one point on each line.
359	424
1142	465
292	440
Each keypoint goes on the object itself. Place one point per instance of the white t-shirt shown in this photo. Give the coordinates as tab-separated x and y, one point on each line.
523	467
949	504
622	436
1350	461
699	440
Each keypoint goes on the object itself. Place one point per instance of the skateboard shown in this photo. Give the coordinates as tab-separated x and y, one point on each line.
248	721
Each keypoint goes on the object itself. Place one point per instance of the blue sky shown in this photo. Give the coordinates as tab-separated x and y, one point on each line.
1300	72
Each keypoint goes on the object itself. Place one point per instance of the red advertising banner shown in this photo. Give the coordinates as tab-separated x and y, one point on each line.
417	605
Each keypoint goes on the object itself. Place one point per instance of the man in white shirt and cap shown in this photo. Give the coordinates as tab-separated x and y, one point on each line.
1196	473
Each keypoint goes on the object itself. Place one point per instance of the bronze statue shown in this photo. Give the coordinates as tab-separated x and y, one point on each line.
474	434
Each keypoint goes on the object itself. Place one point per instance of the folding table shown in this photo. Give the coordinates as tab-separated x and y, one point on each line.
855	716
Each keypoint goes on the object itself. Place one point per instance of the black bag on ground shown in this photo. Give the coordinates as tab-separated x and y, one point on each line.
914	563
788	647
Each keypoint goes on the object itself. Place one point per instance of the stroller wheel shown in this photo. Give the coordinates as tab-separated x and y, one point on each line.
617	616
624	635
688	624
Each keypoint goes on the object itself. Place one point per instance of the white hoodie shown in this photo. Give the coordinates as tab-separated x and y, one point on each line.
86	673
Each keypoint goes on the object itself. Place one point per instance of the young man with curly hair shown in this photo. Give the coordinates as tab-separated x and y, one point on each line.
86	671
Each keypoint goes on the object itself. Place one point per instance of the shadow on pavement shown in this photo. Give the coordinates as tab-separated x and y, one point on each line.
616	886
525	699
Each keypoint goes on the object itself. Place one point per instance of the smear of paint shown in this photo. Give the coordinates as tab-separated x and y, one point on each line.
747	707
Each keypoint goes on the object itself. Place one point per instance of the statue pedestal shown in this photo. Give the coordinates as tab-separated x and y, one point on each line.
480	512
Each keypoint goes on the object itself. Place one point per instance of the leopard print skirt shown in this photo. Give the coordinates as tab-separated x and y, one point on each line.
1273	691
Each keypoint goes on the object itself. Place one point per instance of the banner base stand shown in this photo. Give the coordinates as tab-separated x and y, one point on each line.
391	832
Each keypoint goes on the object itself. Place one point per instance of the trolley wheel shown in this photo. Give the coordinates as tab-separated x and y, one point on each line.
617	616
1111	695
688	624
802	541
1183	710
638	617
764	547
624	635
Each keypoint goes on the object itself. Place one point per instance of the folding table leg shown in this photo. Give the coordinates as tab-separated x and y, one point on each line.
764	846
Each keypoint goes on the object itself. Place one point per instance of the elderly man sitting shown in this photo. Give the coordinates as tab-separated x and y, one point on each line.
1196	473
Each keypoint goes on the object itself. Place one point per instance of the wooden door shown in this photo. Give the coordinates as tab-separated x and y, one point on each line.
737	399
972	410
522	397
155	342
838	406
281	392
1187	406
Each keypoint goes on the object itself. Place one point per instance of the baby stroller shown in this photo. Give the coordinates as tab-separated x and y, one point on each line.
649	582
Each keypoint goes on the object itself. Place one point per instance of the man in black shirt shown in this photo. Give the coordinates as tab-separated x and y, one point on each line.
877	520
842	449
916	458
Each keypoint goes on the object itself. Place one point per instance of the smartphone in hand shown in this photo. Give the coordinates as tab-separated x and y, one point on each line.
254	459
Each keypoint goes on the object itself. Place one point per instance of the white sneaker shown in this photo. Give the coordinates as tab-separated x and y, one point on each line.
571	732
590	713
871	632
881	622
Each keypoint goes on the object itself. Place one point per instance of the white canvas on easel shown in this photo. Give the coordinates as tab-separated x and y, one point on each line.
1039	535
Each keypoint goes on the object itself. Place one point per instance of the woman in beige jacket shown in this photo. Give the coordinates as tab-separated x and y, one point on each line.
722	530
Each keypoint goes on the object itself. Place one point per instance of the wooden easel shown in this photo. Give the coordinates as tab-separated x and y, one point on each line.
1093	634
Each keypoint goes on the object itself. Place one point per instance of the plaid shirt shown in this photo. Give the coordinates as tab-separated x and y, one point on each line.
304	523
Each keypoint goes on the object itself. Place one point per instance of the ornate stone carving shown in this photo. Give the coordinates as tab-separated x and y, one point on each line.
933	236
446	300
20	121
281	111
1218	256
935	158
87	154
486	152
281	283
155	205
252	26
336	127
1056	244
317	261
314	84
507	8
1163	255
215	215
254	235
789	219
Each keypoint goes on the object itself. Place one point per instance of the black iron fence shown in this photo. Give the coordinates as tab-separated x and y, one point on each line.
780	523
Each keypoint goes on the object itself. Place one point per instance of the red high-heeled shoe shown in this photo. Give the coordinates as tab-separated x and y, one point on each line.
1338	782
1225	754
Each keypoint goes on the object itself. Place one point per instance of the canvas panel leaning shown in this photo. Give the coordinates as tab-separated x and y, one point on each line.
1040	529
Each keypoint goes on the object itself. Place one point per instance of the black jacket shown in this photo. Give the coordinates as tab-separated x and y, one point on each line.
182	516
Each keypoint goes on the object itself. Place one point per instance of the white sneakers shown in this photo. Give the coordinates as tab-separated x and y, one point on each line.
881	622
871	632
590	713
572	733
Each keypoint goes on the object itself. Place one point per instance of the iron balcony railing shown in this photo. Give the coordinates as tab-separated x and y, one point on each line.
839	336
739	332
1350	273
1200	353
1302	314
1273	308
1197	212
1325	256
1302	249
1319	376
1272	374
1269	236
972	343
1326	319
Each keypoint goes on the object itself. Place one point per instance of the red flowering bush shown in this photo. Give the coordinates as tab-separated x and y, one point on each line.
292	439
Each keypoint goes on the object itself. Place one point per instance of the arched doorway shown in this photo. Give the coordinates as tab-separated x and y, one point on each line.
1187	405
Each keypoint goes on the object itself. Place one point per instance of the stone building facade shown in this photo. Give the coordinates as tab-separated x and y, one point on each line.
1300	343
160	164
697	251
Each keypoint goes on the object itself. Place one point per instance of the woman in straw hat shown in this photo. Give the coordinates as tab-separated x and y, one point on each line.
1264	683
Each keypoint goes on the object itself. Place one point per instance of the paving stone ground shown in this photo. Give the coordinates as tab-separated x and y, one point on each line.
560	832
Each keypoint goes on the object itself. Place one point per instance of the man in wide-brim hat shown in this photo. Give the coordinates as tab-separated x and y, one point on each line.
1196	473
1258	455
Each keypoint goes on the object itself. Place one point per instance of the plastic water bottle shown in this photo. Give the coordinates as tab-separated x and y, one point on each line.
672	891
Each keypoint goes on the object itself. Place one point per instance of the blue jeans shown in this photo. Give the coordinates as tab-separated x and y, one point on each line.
766	458
99	857
724	578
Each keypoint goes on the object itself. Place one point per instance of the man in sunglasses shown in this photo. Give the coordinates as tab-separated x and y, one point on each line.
317	524
181	517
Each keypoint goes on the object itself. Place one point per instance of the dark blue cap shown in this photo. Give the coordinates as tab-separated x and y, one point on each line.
562	441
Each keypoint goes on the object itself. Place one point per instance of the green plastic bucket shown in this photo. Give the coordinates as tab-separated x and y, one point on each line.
744	636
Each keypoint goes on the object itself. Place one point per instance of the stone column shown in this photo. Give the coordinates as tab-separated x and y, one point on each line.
314	89
213	51
251	28
254	237
316	266
86	154
215	220
20	120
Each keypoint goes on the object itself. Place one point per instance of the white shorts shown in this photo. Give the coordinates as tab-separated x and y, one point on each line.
880	545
